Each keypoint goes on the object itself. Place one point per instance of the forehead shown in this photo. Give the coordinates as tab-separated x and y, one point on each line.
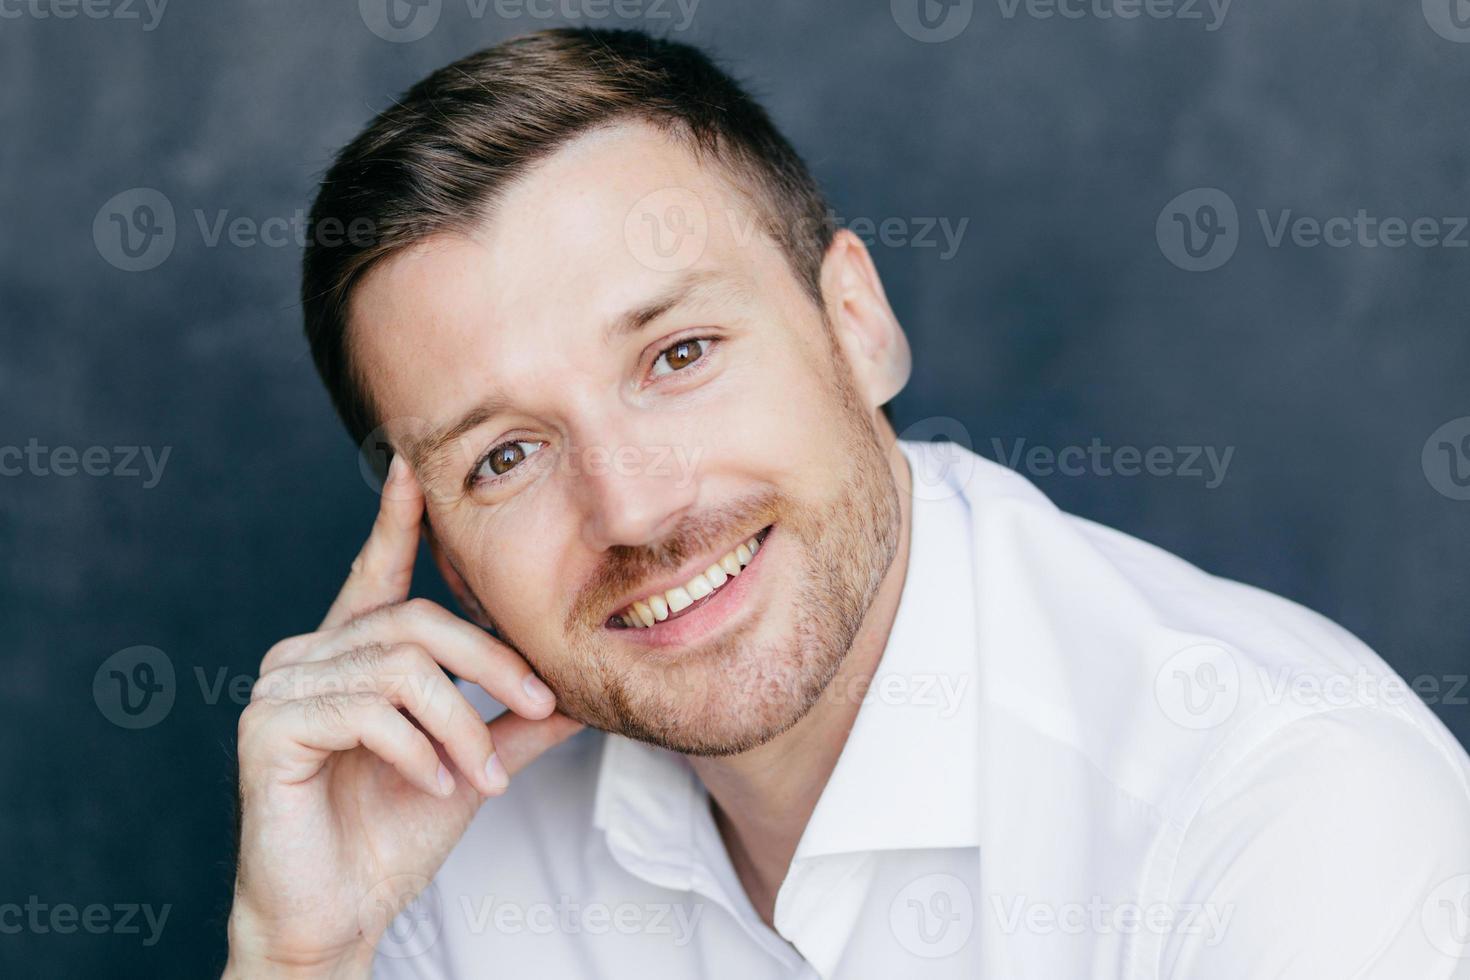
608	222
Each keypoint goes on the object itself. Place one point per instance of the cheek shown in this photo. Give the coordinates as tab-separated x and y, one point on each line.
789	421
507	559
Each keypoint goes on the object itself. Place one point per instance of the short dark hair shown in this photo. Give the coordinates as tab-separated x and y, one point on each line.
436	159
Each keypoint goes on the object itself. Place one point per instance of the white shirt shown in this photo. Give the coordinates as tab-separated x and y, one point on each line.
1080	757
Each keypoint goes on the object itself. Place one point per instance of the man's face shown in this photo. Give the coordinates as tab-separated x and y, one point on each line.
605	389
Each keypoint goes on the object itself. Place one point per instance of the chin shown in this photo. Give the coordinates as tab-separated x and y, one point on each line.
725	698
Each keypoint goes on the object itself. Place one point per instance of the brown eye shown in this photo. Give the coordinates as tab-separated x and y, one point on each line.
505	457
502	458
679	356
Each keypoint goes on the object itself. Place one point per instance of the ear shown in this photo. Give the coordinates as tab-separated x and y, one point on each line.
456	582
866	329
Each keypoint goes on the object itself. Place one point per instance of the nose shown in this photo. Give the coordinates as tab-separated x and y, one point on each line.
633	493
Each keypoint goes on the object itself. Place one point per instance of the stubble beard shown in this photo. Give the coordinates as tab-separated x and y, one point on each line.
732	694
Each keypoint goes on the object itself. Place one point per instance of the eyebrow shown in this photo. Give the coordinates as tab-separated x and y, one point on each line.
694	284
423	451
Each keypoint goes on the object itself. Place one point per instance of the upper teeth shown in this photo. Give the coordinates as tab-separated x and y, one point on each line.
656	608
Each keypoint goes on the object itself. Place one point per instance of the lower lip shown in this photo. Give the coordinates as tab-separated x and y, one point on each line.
719	609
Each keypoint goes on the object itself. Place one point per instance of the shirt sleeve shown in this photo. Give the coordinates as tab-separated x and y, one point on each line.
1338	849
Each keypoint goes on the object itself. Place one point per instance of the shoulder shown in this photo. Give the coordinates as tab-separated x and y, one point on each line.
1129	669
1344	836
1160	676
1232	751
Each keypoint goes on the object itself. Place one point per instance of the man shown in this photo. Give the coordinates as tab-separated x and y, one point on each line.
853	707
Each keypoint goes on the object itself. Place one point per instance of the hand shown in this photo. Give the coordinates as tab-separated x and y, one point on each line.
361	764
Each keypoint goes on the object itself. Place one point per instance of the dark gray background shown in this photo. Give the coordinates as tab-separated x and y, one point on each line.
1059	320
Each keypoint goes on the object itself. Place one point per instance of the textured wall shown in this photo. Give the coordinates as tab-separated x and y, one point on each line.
1023	164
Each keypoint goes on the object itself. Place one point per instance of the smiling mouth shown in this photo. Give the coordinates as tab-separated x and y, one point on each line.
661	607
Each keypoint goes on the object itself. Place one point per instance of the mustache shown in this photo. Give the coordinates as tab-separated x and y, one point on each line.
625	567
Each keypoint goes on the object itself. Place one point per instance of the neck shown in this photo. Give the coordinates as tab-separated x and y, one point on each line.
763	798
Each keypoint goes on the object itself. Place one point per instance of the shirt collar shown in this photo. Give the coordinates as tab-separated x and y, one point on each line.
907	776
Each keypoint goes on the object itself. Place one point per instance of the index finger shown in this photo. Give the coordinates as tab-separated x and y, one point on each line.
383	569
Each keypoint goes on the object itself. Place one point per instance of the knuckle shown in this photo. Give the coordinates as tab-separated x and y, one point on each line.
267	686
421	682
399	674
325	711
278	653
419	608
364	659
411	658
248	728
364	621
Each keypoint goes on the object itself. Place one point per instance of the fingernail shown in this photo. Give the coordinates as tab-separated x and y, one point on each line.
395	469
495	773
446	781
535	689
